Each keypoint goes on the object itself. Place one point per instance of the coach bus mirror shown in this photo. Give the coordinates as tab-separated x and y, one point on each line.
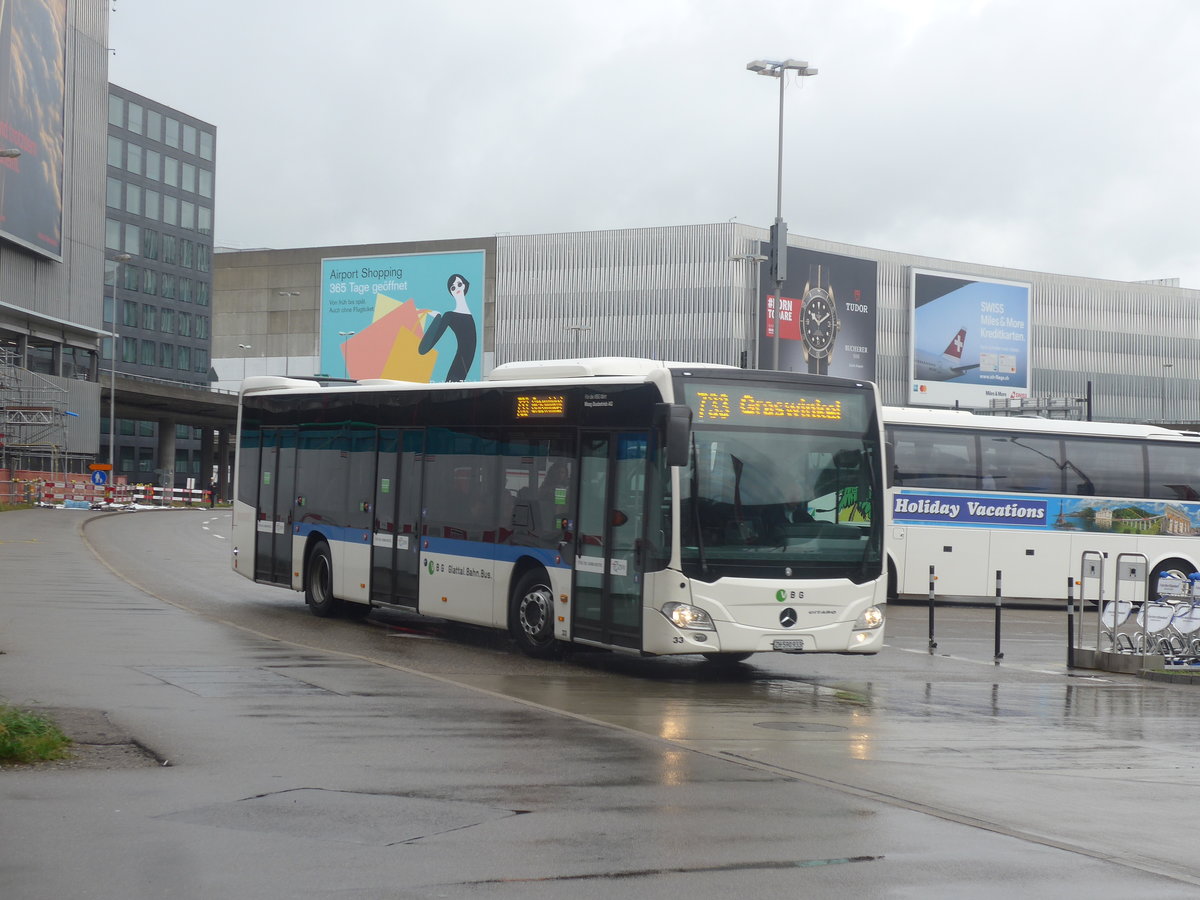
677	429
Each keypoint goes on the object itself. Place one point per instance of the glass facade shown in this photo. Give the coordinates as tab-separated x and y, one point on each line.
159	212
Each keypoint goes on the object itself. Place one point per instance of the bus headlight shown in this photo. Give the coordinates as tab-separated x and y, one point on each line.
684	615
870	619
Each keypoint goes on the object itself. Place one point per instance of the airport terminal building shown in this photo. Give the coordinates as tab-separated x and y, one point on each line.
930	332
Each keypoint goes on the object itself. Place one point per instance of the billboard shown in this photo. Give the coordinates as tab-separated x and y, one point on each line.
970	340
416	317
33	42
827	315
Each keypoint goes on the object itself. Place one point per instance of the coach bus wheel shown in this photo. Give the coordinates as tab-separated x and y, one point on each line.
531	616
727	659
318	582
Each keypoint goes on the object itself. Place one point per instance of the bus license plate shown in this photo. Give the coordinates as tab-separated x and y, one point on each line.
791	645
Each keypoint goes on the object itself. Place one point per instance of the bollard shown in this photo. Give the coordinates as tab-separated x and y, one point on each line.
999	656
932	642
1070	622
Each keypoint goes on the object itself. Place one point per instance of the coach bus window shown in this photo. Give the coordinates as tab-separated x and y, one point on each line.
1104	468
1024	464
926	458
1174	471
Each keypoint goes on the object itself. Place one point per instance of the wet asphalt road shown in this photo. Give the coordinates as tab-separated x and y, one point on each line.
405	758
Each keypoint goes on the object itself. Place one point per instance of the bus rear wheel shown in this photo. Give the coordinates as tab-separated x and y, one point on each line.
318	582
1176	568
531	616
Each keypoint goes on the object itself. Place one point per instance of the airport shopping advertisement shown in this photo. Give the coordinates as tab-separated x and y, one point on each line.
415	317
970	340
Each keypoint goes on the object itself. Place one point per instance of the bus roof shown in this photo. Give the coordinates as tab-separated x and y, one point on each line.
961	418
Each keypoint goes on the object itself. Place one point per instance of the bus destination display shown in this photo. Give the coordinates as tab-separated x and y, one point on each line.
541	406
769	407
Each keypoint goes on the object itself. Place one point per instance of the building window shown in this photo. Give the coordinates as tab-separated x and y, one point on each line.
148	353
189	139
149	243
133	199
149	282
145	428
187	215
184	359
206	145
185	290
171	171
135	117
149	317
167	287
166	355
131	277
167	320
112	234
108	314
202	293
170	210
187	178
154	125
134	161
152	204
169	249
205	183
116	111
202	327
204	220
153	165
202	257
185	324
129	313
129	350
133	239
187	257
112	194
172	136
201	357
116	152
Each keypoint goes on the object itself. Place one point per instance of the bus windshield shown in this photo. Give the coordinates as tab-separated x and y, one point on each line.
765	492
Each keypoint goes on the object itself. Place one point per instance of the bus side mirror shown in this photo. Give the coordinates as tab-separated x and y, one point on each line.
677	431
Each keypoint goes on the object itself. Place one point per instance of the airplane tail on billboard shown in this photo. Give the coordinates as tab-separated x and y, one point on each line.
955	347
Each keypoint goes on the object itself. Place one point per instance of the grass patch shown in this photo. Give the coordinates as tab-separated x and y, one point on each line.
8	507
27	737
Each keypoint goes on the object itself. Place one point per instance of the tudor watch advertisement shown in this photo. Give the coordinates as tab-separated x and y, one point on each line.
826	315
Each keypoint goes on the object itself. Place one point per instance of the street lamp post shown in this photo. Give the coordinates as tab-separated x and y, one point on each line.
1166	374
287	358
577	329
758	259
778	252
345	357
112	379
244	348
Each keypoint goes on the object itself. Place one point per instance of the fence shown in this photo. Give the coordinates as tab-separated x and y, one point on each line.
56	493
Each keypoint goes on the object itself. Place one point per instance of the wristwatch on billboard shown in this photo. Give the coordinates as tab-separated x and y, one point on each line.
818	320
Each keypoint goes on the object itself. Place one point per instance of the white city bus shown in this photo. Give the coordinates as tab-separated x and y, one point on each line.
628	504
973	495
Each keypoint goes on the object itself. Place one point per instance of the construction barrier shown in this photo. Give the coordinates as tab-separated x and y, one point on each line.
55	493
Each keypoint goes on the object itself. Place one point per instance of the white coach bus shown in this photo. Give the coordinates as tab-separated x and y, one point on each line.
973	494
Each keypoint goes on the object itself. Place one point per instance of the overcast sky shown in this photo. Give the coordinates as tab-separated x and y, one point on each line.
1053	135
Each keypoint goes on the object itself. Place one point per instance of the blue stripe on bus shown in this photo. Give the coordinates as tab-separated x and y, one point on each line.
450	546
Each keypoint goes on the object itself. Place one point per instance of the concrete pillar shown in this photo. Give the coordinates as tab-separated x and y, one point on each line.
224	465
166	452
206	459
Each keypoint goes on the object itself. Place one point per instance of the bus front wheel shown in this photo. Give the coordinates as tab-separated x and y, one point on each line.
531	616
318	582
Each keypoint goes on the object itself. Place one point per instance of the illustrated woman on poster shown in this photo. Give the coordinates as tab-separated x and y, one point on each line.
460	321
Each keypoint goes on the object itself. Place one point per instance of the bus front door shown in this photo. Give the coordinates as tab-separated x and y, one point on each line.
273	528
607	604
395	555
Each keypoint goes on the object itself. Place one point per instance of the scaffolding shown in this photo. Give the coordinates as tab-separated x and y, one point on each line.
33	417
